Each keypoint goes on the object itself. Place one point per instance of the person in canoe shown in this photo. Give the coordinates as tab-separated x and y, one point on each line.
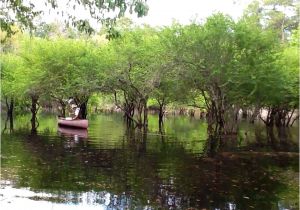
74	119
74	113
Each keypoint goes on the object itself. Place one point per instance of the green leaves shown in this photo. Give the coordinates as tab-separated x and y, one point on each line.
238	63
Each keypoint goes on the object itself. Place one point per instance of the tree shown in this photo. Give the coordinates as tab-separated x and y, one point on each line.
69	69
207	56
288	64
11	90
257	50
10	62
136	73
279	15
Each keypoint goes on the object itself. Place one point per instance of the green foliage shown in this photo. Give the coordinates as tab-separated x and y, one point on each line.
11	67
289	66
255	63
218	63
136	70
279	15
63	67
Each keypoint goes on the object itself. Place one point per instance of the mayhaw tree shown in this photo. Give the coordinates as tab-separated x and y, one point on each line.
10	89
104	11
281	17
207	55
136	73
69	68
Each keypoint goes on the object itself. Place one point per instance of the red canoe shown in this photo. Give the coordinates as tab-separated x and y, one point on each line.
78	123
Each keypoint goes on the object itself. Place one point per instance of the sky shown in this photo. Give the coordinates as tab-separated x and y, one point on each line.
164	12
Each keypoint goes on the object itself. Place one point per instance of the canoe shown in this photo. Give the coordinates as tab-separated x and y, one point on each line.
78	123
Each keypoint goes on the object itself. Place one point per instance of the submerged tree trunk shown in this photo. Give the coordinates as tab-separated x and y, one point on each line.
271	137
289	117
10	107
142	113
254	114
212	144
221	116
128	108
279	116
145	113
161	111
192	113
139	114
63	108
34	109
161	114
270	119
129	112
11	124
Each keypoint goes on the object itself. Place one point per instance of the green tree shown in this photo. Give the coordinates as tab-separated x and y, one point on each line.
11	90
69	69
171	87
278	15
136	73
207	56
257	50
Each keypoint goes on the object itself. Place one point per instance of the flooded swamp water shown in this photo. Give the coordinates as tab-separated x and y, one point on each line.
110	166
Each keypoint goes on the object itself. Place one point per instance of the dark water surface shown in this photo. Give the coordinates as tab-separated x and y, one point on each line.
112	167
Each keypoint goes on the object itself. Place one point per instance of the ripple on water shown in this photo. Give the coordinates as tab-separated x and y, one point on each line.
108	166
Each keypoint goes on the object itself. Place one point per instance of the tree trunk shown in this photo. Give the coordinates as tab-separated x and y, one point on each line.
272	116
181	111
34	110
161	111
221	117
83	110
271	137
161	114
192	113
11	124
10	107
63	108
254	114
289	118
269	122
128	112
139	114
145	113
230	121
296	118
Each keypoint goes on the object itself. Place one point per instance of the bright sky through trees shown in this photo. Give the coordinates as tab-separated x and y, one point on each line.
163	12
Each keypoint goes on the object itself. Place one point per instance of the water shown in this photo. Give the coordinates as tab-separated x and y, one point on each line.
112	167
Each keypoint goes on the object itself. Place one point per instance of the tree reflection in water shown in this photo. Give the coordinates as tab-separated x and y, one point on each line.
145	170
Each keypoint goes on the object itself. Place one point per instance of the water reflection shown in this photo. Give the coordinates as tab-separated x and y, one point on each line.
120	168
73	132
